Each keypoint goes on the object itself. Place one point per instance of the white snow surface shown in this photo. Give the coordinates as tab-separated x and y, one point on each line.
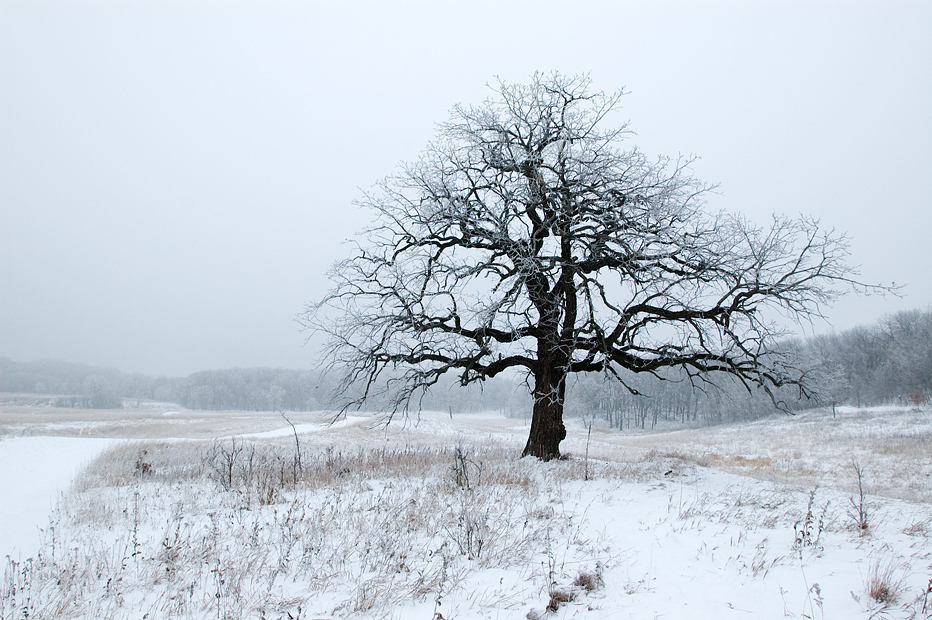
742	521
33	472
302	429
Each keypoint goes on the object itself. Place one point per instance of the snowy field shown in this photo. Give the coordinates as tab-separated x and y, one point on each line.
436	518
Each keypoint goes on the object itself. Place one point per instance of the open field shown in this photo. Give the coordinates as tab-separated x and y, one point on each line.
436	518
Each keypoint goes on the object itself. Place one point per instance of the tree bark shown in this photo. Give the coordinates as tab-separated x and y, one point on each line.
547	429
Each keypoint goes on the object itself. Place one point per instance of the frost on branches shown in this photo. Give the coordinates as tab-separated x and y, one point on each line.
527	237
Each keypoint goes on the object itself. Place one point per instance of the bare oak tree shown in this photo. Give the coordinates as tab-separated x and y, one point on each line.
526	237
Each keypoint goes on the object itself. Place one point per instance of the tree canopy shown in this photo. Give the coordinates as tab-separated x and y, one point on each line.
529	236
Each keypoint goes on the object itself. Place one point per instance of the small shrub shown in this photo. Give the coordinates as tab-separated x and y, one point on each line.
559	596
858	508
809	529
465	470
885	581
589	580
144	469
471	529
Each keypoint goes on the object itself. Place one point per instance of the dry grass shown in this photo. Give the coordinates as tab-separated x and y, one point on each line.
255	529
885	581
894	444
560	596
590	581
237	529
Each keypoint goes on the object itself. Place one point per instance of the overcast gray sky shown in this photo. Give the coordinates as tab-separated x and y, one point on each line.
177	177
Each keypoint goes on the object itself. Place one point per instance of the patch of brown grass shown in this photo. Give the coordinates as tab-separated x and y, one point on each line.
885	581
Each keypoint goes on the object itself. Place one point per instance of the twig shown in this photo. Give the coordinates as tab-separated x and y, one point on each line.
297	445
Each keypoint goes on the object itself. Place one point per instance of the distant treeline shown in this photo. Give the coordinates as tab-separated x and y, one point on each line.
887	362
890	361
81	385
241	389
75	385
265	389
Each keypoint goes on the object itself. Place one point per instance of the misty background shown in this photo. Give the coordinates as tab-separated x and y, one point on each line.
176	178
888	362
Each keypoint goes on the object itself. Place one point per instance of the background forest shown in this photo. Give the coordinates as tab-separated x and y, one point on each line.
890	361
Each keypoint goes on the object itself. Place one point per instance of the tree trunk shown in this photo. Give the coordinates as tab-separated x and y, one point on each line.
547	430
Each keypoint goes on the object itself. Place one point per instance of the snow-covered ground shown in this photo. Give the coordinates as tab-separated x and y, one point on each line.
33	472
435	518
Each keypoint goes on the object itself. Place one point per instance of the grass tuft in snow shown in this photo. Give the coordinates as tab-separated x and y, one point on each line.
885	580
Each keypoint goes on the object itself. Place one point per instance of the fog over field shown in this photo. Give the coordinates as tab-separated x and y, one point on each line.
177	177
